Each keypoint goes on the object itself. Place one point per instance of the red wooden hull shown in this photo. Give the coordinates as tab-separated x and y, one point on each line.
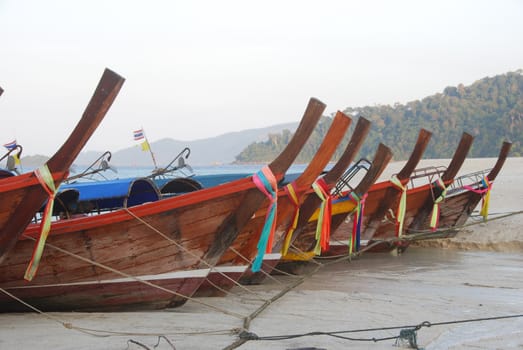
416	198
342	223
461	201
304	239
174	235
107	295
121	242
220	280
244	247
269	263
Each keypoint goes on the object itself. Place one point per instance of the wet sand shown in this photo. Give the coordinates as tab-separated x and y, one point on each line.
477	274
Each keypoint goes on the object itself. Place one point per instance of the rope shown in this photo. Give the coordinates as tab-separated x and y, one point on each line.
189	252
154	346
425	234
105	267
248	262
406	332
246	336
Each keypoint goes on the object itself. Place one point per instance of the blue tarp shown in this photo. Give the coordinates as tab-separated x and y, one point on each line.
115	193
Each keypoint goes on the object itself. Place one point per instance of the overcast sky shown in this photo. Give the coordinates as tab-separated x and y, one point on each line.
197	69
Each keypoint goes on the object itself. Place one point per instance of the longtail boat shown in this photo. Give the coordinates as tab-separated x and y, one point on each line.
148	256
311	201
24	195
243	250
382	198
463	196
422	200
305	240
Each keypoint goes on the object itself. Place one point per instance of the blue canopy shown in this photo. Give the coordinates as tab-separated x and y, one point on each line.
113	193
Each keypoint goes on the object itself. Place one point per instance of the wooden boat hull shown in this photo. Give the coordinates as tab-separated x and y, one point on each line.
108	295
304	239
381	197
244	248
121	242
416	198
420	201
343	221
270	261
220	280
174	235
461	201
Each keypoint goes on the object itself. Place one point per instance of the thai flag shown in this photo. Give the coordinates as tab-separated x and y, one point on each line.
138	134
11	145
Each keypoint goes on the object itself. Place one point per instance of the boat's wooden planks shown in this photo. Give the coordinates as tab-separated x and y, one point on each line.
456	209
385	196
421	213
246	241
312	202
306	240
231	226
119	239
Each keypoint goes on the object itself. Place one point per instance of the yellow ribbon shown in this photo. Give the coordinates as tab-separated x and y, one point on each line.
291	191
45	178
400	213
486	198
357	209
434	220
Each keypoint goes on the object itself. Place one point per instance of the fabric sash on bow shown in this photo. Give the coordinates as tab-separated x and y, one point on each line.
323	228
434	219
400	213
266	182
46	180
487	186
354	241
291	192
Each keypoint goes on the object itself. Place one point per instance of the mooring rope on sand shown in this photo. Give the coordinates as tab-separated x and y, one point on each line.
407	332
243	332
337	259
107	333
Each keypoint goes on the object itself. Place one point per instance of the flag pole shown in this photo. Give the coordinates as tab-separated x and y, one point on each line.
152	154
150	150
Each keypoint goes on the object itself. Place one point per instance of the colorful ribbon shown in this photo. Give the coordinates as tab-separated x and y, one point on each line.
400	213
45	179
486	198
323	228
358	211
434	219
487	186
291	192
266	182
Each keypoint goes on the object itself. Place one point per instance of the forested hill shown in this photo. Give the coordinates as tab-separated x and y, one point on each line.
491	109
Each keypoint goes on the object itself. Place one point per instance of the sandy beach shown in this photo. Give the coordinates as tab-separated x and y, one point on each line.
475	275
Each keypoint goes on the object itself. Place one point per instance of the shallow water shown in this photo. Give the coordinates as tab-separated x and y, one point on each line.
375	290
